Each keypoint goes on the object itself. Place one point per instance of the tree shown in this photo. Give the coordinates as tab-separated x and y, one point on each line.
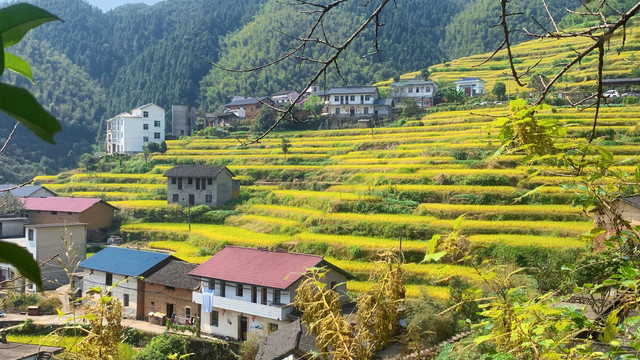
284	146
447	93
314	105
15	21
9	204
266	119
425	74
499	90
409	107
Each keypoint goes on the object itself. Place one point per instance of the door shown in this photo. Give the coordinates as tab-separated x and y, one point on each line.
243	327
467	91
352	112
192	199
169	310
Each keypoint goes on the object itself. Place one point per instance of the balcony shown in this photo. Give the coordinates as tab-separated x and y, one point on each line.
269	311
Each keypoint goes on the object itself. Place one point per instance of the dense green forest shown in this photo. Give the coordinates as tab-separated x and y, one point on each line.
95	65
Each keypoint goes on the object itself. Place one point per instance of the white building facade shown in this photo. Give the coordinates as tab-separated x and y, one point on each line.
260	298
422	91
471	86
128	132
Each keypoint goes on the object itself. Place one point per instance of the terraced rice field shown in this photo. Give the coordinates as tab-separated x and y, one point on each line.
347	193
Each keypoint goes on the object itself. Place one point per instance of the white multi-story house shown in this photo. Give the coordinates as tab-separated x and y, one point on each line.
356	101
129	131
246	289
121	271
421	91
472	86
283	97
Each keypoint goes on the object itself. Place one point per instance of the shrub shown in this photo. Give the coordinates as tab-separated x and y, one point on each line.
20	302
162	346
49	305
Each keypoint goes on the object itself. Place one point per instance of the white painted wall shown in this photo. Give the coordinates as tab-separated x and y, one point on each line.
125	285
127	131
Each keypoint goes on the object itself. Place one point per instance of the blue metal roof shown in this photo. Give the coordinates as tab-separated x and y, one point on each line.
124	261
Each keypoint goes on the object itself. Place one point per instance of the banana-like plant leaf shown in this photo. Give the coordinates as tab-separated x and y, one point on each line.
18	65
22	260
1	57
16	20
21	105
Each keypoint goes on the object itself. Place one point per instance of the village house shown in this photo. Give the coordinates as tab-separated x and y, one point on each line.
126	269
471	86
201	185
183	120
225	119
283	97
128	132
245	290
291	342
27	191
96	213
629	210
356	101
247	107
168	294
422	91
44	242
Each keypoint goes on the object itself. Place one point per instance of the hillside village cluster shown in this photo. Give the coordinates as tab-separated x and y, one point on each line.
129	131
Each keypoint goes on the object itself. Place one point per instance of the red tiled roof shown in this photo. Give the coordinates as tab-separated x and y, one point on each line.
257	267
75	205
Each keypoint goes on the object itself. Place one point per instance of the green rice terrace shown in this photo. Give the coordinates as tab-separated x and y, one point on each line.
347	193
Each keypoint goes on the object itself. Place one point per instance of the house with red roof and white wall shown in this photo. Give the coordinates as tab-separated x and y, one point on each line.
96	213
244	290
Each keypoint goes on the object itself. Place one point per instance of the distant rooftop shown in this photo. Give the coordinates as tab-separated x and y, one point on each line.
411	82
350	90
23	191
124	261
196	171
249	101
175	274
66	204
469	79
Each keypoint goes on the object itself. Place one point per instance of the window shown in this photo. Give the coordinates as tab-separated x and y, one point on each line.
153	304
145	126
333	285
276	296
208	198
264	296
410	90
190	181
209	181
30	234
175	198
69	213
198	184
204	184
173	180
187	312
156	135
180	184
125	300
156	123
223	289
366	110
212	284
337	111
254	294
214	318
353	98
145	114
54	213
336	98
367	97
239	290
109	279
273	327
145	139
361	98
169	288
417	90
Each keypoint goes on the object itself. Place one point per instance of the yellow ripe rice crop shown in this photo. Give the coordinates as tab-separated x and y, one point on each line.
403	160
142	204
45	179
271	220
362	241
258	187
452	189
456	209
323	195
412	291
118	178
276	167
433	271
111	195
181	250
239	158
109	187
552	242
214	233
282	210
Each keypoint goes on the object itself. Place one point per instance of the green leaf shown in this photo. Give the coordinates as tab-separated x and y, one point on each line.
60	313
1	57
457	222
22	260
434	257
18	65
16	20
20	104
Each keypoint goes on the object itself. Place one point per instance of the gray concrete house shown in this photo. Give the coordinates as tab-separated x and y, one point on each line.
201	185
183	120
